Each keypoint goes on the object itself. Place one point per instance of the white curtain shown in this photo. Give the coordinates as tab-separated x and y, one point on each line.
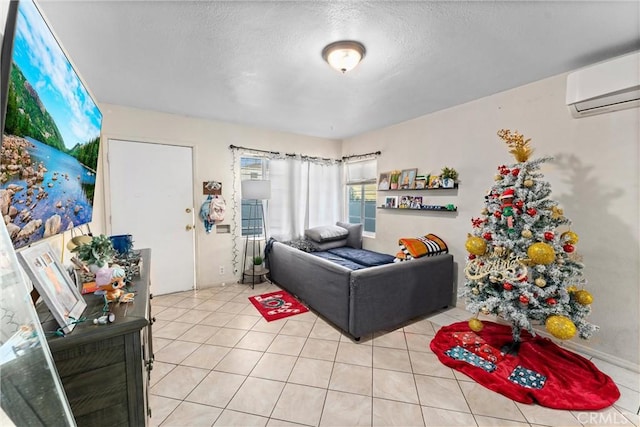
304	194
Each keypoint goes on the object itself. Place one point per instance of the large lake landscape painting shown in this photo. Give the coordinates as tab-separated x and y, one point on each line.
51	137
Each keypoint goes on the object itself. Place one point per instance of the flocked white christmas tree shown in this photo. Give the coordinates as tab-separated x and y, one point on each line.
521	265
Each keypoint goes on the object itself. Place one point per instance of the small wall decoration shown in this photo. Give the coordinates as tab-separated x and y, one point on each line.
54	285
391	202
212	188
407	178
416	202
383	182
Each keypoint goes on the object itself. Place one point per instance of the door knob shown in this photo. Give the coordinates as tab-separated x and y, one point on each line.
189	227
188	210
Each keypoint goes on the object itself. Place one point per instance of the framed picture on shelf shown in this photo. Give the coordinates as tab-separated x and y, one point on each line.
383	182
405	202
391	202
407	178
53	283
434	181
420	182
416	203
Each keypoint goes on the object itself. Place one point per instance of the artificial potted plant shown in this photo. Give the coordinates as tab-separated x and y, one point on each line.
448	177
257	260
395	177
97	253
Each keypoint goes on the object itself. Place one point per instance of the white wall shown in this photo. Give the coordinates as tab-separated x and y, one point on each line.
594	177
210	141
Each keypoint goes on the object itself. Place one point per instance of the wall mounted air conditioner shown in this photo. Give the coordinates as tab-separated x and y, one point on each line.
604	87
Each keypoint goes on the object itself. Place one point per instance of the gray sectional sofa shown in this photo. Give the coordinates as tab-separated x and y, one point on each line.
368	299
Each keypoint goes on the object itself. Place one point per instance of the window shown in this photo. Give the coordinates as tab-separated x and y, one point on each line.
251	217
362	193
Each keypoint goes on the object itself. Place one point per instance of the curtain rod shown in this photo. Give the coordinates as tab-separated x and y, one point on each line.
235	147
277	153
358	156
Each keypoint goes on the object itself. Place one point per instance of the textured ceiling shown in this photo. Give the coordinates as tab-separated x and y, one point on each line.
259	63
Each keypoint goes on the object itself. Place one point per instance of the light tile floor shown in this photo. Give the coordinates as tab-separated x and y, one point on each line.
218	362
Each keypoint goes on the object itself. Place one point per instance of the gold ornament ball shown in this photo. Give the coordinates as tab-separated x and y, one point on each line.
560	327
528	183
569	237
475	291
541	253
476	245
583	297
540	282
475	325
526	234
572	288
484	310
484	211
498	178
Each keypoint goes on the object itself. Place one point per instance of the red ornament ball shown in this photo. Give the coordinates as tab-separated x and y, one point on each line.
519	204
515	172
568	248
551	301
507	286
487	236
497	214
532	211
524	299
472	256
548	235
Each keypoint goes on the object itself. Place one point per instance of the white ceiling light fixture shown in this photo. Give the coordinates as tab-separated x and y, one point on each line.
344	55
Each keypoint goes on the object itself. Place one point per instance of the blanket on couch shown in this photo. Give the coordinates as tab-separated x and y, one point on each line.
354	259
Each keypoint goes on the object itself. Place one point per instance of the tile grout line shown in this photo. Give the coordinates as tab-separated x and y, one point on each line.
326	389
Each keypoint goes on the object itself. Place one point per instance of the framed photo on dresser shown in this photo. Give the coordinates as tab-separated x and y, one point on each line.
54	284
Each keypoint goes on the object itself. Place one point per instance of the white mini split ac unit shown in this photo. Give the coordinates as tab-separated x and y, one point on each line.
604	87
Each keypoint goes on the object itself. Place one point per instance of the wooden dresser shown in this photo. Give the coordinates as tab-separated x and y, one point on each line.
105	369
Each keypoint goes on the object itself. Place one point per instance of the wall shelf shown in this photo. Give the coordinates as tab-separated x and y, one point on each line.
455	187
430	208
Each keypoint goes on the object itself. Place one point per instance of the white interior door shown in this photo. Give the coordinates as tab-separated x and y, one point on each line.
151	190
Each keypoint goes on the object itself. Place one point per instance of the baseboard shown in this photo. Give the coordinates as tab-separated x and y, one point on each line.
573	345
586	350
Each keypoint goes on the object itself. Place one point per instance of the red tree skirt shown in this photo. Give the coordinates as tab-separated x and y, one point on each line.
572	381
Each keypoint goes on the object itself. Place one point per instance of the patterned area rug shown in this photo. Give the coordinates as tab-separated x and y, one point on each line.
276	305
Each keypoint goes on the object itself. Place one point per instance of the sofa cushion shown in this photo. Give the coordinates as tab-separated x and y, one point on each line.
324	246
355	234
362	256
302	244
339	260
326	233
